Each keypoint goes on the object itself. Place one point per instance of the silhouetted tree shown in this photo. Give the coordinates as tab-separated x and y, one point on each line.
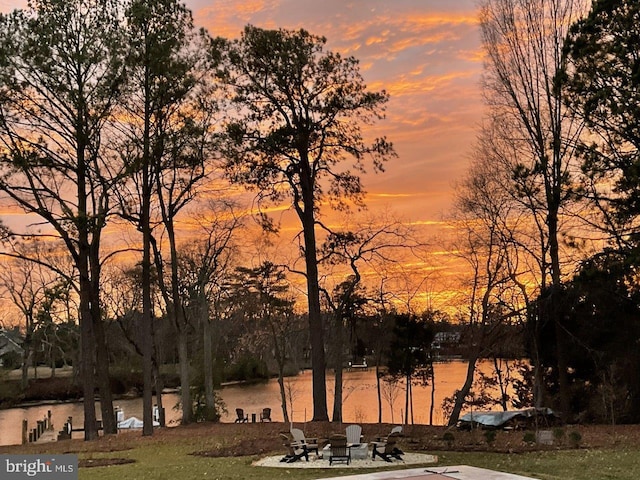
205	270
602	84
299	120
523	41
485	222
600	308
262	293
409	355
61	76
165	149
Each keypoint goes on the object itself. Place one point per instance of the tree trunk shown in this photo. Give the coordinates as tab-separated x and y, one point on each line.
159	387
52	356
411	401
180	320
501	384
146	333
337	389
280	353
207	345
316	328
407	394
27	356
433	393
379	392
185	386
556	279
464	391
283	394
87	373
102	355
87	334
337	396
104	383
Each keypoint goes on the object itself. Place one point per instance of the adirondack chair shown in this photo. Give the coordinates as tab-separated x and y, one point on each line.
265	416
395	430
298	437
354	432
387	450
339	451
240	416
295	451
358	449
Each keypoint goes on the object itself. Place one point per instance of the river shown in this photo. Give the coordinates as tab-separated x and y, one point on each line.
360	403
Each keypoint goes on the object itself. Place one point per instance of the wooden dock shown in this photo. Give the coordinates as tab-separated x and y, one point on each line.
43	430
47	437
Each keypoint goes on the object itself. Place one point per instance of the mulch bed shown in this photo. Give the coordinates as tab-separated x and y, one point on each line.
259	439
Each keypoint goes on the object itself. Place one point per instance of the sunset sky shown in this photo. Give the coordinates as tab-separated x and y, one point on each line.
425	53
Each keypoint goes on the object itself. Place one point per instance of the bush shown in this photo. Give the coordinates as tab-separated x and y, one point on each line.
529	437
11	360
58	388
10	392
200	412
125	379
449	438
558	434
575	437
203	414
490	436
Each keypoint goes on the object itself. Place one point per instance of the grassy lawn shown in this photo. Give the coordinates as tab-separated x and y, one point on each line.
621	464
226	451
173	461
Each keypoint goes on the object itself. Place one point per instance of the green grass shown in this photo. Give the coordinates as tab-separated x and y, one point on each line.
606	453
623	463
172	461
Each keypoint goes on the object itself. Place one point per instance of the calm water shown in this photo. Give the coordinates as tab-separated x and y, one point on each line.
360	404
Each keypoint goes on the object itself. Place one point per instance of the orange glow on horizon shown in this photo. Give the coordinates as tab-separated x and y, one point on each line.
426	55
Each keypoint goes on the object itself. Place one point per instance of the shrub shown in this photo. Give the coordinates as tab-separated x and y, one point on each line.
10	392
529	437
575	438
449	438
490	436
558	434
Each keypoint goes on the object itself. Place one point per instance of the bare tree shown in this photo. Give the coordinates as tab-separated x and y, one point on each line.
62	73
25	283
390	392
204	273
376	241
485	224
523	40
124	305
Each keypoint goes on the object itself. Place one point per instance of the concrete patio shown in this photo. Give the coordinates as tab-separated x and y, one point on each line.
460	472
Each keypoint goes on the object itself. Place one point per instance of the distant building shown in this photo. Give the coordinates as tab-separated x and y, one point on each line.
10	342
446	344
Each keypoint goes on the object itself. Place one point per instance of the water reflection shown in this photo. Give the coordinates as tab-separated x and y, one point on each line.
360	402
360	396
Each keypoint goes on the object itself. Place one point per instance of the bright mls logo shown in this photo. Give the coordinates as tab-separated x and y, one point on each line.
50	467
